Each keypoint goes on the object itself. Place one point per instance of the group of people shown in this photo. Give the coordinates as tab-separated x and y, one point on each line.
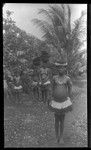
54	90
36	81
42	82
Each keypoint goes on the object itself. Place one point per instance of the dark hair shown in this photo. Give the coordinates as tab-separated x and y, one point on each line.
36	61
45	56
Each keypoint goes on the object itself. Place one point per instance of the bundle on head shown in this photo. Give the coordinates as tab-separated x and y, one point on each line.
61	67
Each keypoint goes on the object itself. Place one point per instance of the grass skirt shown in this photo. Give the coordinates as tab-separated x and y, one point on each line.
61	107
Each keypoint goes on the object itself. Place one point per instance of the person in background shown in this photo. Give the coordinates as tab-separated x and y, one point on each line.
61	103
36	79
8	81
17	89
5	89
45	76
25	81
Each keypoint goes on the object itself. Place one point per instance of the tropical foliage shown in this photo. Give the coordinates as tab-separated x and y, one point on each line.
19	48
63	35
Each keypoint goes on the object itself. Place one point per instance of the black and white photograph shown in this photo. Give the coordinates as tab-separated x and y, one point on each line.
45	75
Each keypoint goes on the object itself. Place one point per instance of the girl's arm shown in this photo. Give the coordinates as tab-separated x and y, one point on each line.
69	85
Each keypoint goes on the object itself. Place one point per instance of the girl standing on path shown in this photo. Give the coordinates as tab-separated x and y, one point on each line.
61	104
45	76
36	78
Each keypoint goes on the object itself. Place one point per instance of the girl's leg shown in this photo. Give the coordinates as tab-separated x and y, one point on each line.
34	93
18	97
43	94
37	93
46	92
57	126
62	117
49	94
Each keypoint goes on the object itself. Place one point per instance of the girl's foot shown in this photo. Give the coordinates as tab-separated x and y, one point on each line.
58	139
61	141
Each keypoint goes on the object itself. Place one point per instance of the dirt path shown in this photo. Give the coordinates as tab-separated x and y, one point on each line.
33	125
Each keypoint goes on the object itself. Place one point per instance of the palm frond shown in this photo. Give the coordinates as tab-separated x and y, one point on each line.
69	18
40	24
76	57
79	30
49	33
46	13
58	14
58	33
52	18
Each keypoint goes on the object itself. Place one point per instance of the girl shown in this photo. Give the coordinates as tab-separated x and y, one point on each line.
61	104
45	76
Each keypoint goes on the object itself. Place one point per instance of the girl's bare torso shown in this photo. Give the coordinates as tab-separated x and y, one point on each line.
60	90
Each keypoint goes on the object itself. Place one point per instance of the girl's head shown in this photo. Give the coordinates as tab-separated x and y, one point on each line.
62	71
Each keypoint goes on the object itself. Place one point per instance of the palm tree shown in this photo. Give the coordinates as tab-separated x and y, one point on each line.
59	32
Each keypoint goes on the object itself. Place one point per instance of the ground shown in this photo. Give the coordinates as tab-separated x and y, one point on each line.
32	124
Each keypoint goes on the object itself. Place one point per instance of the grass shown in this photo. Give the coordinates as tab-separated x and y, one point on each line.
32	124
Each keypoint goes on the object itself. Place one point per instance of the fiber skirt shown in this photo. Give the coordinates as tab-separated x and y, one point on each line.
18	89
62	107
